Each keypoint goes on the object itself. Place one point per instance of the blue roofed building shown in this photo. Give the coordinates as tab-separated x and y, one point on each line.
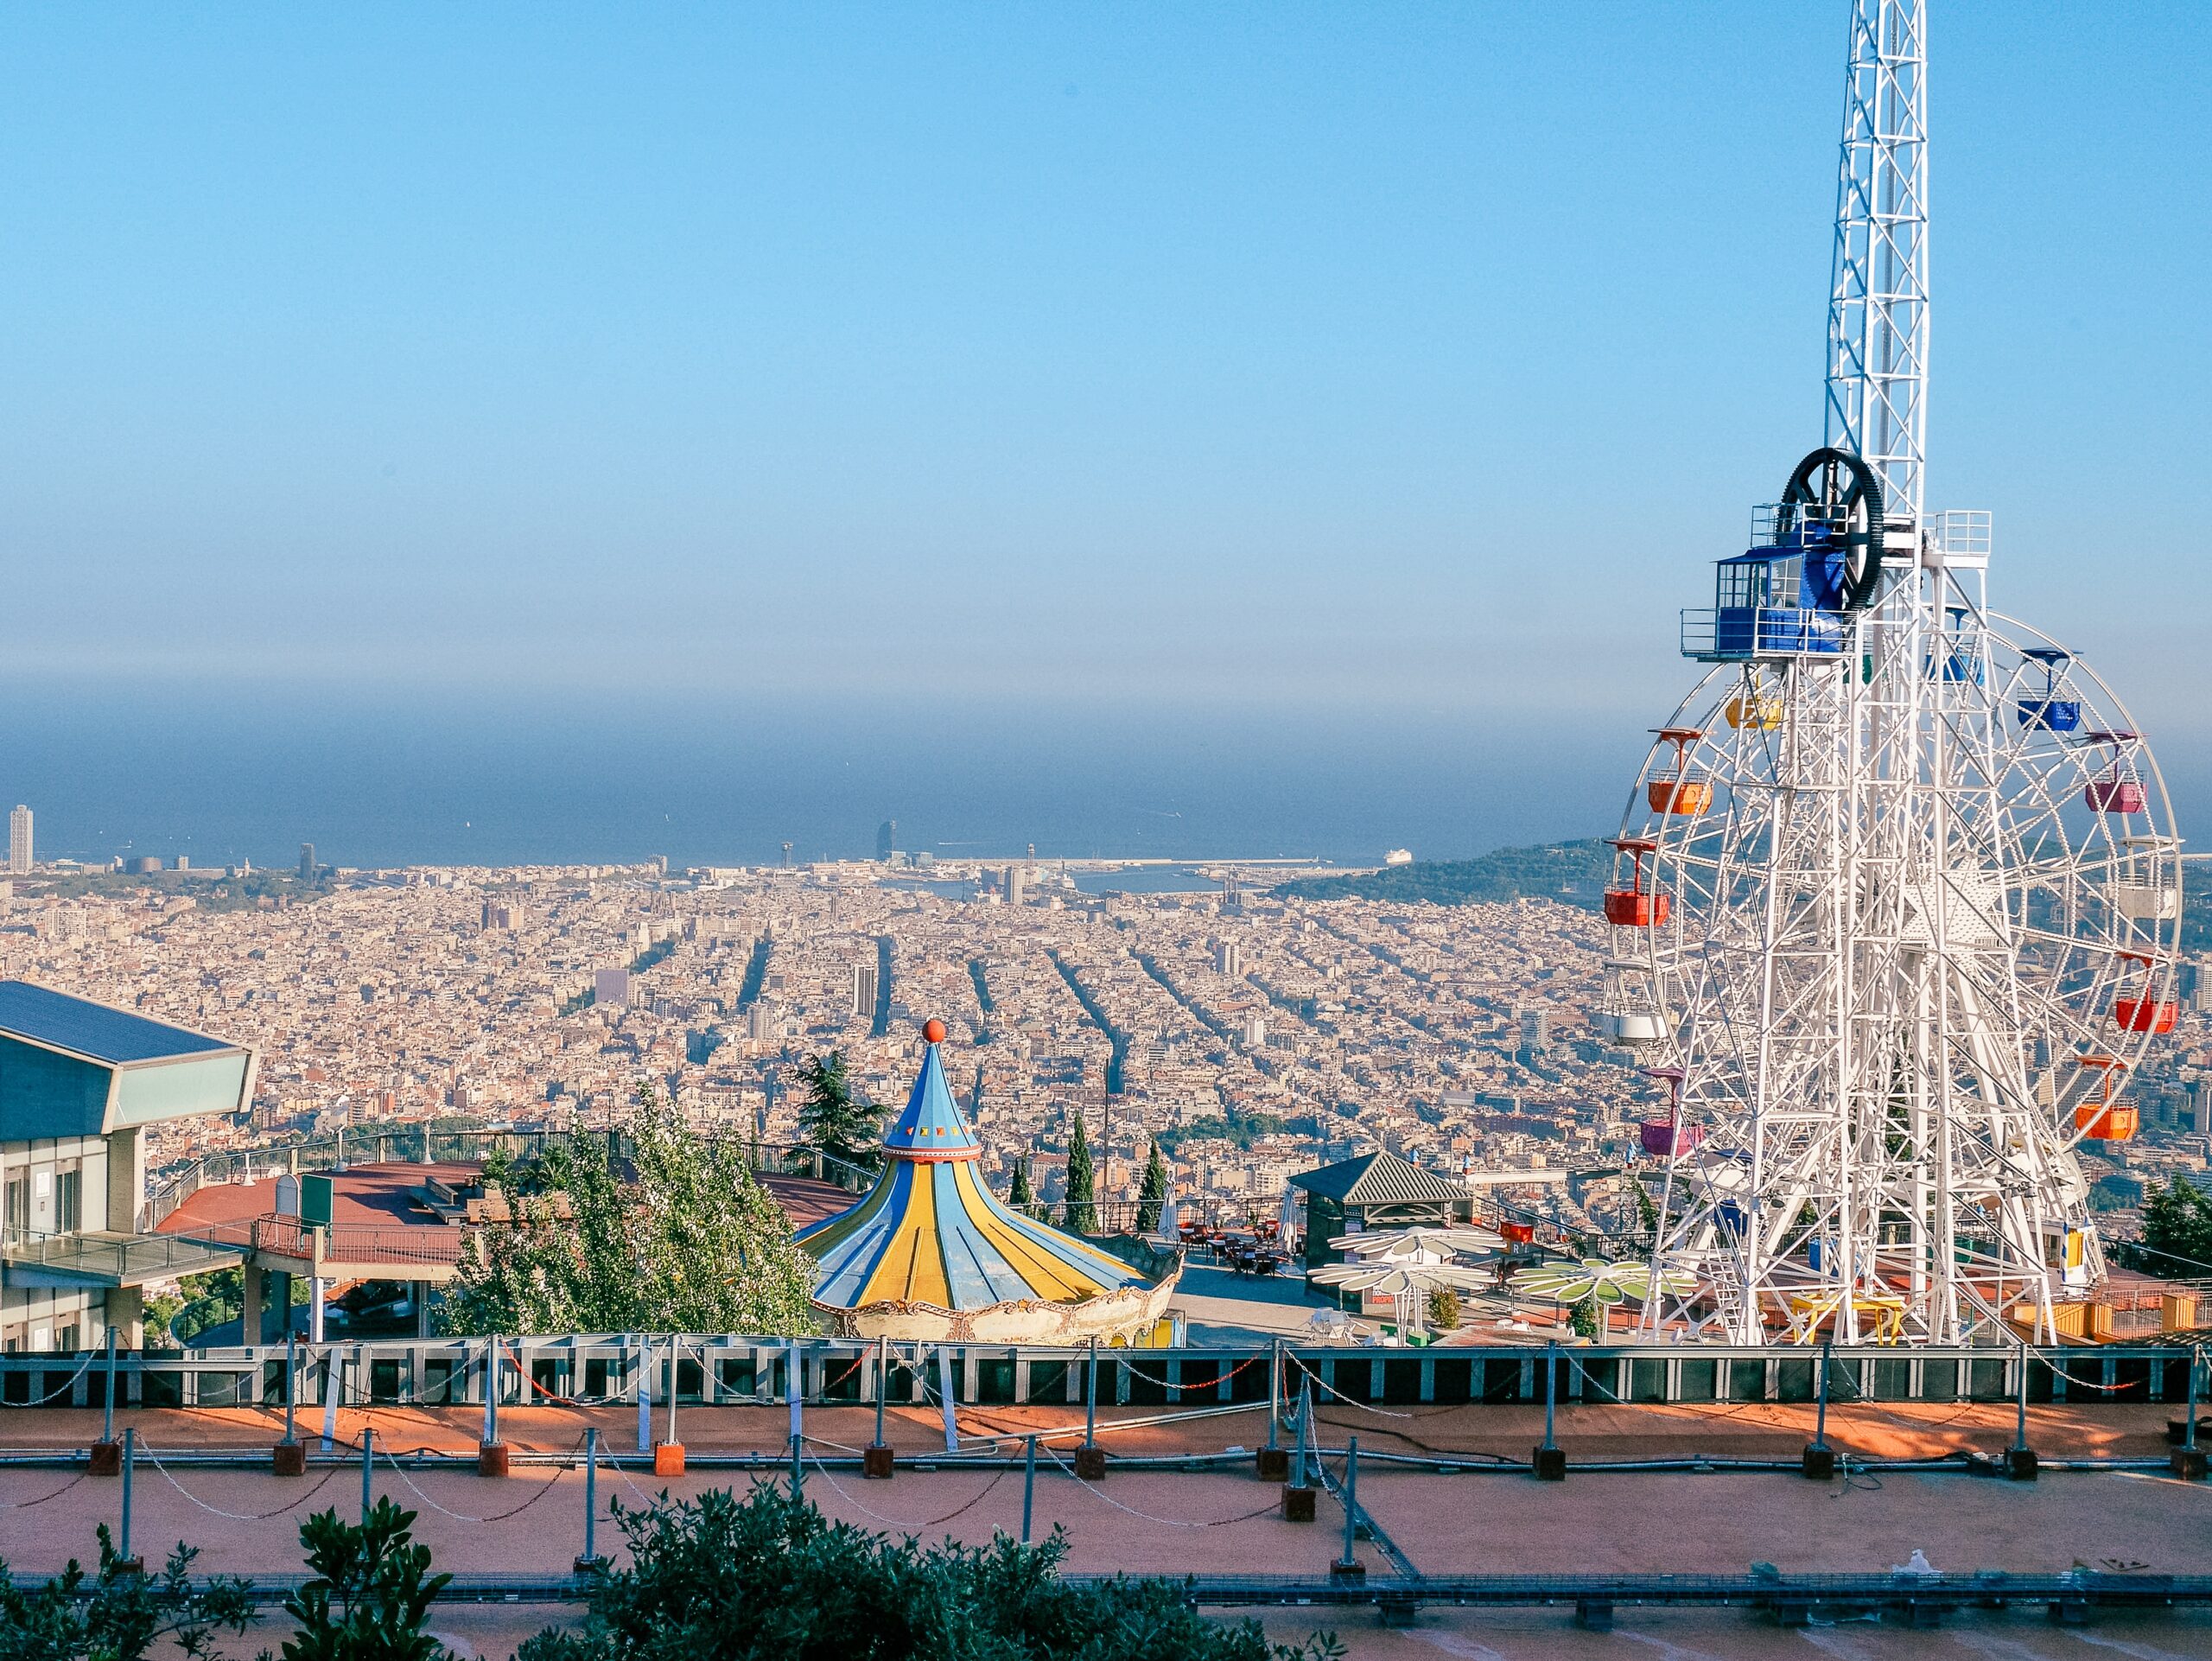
80	1081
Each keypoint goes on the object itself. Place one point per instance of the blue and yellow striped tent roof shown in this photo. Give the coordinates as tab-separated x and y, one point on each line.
930	1232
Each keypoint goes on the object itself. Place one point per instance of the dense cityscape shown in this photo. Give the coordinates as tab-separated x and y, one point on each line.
1253	1035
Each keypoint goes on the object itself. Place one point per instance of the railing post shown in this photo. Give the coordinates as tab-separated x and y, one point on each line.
1349	1564
1549	1462
492	1458
2020	1458
129	1468
107	1412
2189	1462
589	1561
1028	1486
875	1458
1298	1497
1819	1458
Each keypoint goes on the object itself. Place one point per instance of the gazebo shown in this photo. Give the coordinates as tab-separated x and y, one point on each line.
931	1254
1376	1192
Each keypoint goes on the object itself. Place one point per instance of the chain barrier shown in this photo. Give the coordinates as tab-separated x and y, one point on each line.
241	1516
26	1504
1196	1383
892	1521
543	1488
1329	1388
1097	1493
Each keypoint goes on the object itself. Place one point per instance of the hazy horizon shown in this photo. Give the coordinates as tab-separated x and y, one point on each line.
1173	380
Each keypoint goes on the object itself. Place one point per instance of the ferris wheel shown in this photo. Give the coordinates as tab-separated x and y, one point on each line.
1895	917
1895	909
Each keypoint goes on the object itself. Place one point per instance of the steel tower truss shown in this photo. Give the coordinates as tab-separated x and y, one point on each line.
1901	908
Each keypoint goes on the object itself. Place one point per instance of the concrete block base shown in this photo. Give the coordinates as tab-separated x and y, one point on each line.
289	1459
877	1462
668	1459
491	1458
1819	1463
1091	1463
107	1458
1297	1505
1344	1571
2020	1464
1549	1464
2189	1464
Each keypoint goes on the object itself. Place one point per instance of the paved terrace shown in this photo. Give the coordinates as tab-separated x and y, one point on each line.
1223	1521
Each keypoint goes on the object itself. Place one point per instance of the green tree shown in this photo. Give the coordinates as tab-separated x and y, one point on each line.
2177	1229
1018	1193
370	1599
688	1242
1152	1192
1586	1319
117	1613
833	1118
766	1577
1443	1308
1082	1214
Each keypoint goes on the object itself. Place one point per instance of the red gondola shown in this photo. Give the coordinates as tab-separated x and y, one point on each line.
1635	906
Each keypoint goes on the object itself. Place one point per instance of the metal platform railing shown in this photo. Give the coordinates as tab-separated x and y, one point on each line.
712	1369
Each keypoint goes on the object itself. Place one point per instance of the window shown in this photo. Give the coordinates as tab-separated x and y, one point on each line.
19	1205
68	1201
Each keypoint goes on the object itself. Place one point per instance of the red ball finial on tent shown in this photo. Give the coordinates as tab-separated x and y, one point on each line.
933	1031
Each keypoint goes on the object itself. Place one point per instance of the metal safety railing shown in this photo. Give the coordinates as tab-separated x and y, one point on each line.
722	1370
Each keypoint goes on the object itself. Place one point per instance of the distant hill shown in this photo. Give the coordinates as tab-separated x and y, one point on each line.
1572	873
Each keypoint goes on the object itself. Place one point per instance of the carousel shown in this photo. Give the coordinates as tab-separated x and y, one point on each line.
931	1254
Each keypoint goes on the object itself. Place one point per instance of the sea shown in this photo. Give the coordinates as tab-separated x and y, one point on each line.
218	774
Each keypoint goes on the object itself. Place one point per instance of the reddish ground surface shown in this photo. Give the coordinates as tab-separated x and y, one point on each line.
1176	1523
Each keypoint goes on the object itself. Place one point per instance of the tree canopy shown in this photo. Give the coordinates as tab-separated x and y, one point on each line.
765	1575
2177	1230
687	1241
833	1117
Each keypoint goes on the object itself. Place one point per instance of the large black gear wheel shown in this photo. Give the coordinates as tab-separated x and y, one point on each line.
1836	479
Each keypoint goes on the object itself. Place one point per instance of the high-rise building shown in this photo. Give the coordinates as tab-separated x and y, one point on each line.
19	841
1017	882
610	986
864	989
1228	958
307	862
760	1022
886	839
1535	1028
1255	1031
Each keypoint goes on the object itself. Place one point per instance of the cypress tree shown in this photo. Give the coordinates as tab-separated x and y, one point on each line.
1152	1192
1082	1217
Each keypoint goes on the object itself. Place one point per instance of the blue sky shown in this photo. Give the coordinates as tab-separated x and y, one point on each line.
1360	358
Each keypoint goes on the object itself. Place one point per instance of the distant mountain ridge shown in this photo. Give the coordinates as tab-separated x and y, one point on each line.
1572	873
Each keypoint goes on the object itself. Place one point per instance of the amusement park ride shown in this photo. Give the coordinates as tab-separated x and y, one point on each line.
1897	900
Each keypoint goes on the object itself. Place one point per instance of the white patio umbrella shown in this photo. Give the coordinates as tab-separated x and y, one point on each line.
1419	1245
1406	1285
1167	1218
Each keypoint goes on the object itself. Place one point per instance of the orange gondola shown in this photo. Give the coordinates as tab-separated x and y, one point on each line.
2104	1119
1681	791
1635	906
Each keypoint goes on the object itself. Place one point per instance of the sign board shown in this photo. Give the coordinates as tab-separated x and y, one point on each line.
288	1195
315	1201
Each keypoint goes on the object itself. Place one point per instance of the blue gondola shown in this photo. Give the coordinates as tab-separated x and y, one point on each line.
2050	711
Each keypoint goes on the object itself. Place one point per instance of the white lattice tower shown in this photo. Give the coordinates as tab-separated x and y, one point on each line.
1878	310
